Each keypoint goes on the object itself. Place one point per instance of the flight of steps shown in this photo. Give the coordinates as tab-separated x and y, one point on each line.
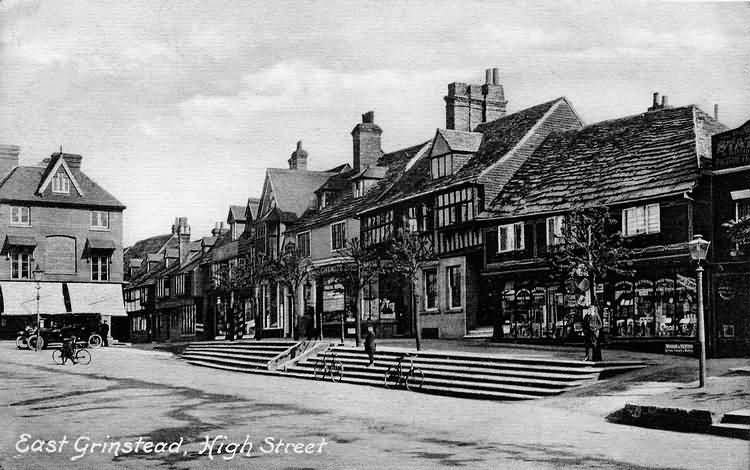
734	424
473	375
239	356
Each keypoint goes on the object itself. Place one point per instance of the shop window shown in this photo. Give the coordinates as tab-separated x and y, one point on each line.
554	229
303	244
641	220
430	289
510	237
338	235
20	265
20	215
453	274
741	209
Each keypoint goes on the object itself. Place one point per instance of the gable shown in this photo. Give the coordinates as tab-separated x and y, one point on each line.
439	146
55	167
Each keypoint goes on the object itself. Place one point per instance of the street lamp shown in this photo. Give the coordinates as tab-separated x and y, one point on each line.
37	273
698	250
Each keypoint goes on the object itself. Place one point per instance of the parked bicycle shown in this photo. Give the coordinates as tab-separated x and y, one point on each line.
329	366
79	354
400	375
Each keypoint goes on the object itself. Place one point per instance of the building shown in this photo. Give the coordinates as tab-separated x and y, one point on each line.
649	171
54	217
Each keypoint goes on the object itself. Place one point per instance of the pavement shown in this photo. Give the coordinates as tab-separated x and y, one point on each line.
129	393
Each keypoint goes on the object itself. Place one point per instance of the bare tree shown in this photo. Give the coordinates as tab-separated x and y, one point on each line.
229	278
362	265
409	253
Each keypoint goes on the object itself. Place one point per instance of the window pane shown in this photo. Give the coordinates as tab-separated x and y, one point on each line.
502	238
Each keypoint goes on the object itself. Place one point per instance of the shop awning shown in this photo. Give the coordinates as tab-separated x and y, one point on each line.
19	298
92	297
17	241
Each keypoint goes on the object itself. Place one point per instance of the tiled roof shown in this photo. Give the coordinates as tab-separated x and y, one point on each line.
237	213
294	189
461	141
22	182
637	157
346	205
142	248
499	137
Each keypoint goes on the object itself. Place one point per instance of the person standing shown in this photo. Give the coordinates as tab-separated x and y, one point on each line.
370	345
595	327
104	333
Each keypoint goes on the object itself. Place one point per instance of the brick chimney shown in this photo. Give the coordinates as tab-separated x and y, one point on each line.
655	105
298	160
366	140
73	160
8	158
467	106
182	230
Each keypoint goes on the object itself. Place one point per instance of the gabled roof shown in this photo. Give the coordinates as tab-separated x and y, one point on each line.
461	141
346	205
22	183
499	137
251	208
236	214
293	190
649	155
55	164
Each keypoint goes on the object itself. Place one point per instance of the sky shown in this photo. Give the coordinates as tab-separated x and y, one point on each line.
179	106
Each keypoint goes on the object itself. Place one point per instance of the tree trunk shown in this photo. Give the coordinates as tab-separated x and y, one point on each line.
415	313
357	319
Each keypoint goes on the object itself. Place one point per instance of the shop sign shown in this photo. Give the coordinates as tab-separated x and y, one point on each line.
732	148
726	289
679	348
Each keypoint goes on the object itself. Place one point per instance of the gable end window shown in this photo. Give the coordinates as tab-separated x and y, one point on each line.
20	215
338	235
60	183
641	220
510	237
100	220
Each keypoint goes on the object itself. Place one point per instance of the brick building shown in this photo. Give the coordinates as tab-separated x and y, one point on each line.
55	217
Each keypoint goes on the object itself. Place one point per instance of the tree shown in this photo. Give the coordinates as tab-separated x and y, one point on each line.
588	250
363	264
409	253
290	270
227	278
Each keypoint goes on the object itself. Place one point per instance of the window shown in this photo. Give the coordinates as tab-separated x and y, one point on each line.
641	220
442	166
338	235
377	228
741	209
303	244
455	207
100	268
60	183
20	265
418	218
100	220
20	215
510	237
162	288
430	289
554	229
454	286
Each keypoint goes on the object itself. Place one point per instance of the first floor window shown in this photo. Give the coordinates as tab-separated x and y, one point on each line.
303	244
742	209
454	286
100	268
20	265
640	220
20	215
338	235
510	237
430	289
554	229
100	220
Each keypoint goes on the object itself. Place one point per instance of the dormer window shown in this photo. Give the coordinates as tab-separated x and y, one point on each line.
358	188
60	183
442	166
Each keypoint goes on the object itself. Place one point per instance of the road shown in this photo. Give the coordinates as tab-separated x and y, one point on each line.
127	394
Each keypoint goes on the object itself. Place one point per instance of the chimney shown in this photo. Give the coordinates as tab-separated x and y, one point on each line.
655	105
8	158
182	230
366	142
218	227
716	111
73	161
298	160
664	102
467	106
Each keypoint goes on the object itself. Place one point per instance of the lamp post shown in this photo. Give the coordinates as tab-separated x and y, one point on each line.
37	273
698	250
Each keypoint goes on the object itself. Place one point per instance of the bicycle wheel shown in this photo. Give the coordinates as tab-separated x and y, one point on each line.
320	369
57	356
95	341
83	357
337	371
22	342
415	379
391	377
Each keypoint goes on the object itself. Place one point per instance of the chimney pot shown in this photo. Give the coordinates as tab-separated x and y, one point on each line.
495	76
716	111
488	77
664	101
656	99
368	117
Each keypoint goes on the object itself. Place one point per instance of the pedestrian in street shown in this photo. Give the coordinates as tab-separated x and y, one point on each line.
370	345
104	333
592	325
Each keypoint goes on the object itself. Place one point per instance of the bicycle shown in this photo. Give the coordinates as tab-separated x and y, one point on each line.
81	356
412	378
329	365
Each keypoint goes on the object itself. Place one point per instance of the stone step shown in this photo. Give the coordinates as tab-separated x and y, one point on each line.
737	417
227	360
247	357
270	349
